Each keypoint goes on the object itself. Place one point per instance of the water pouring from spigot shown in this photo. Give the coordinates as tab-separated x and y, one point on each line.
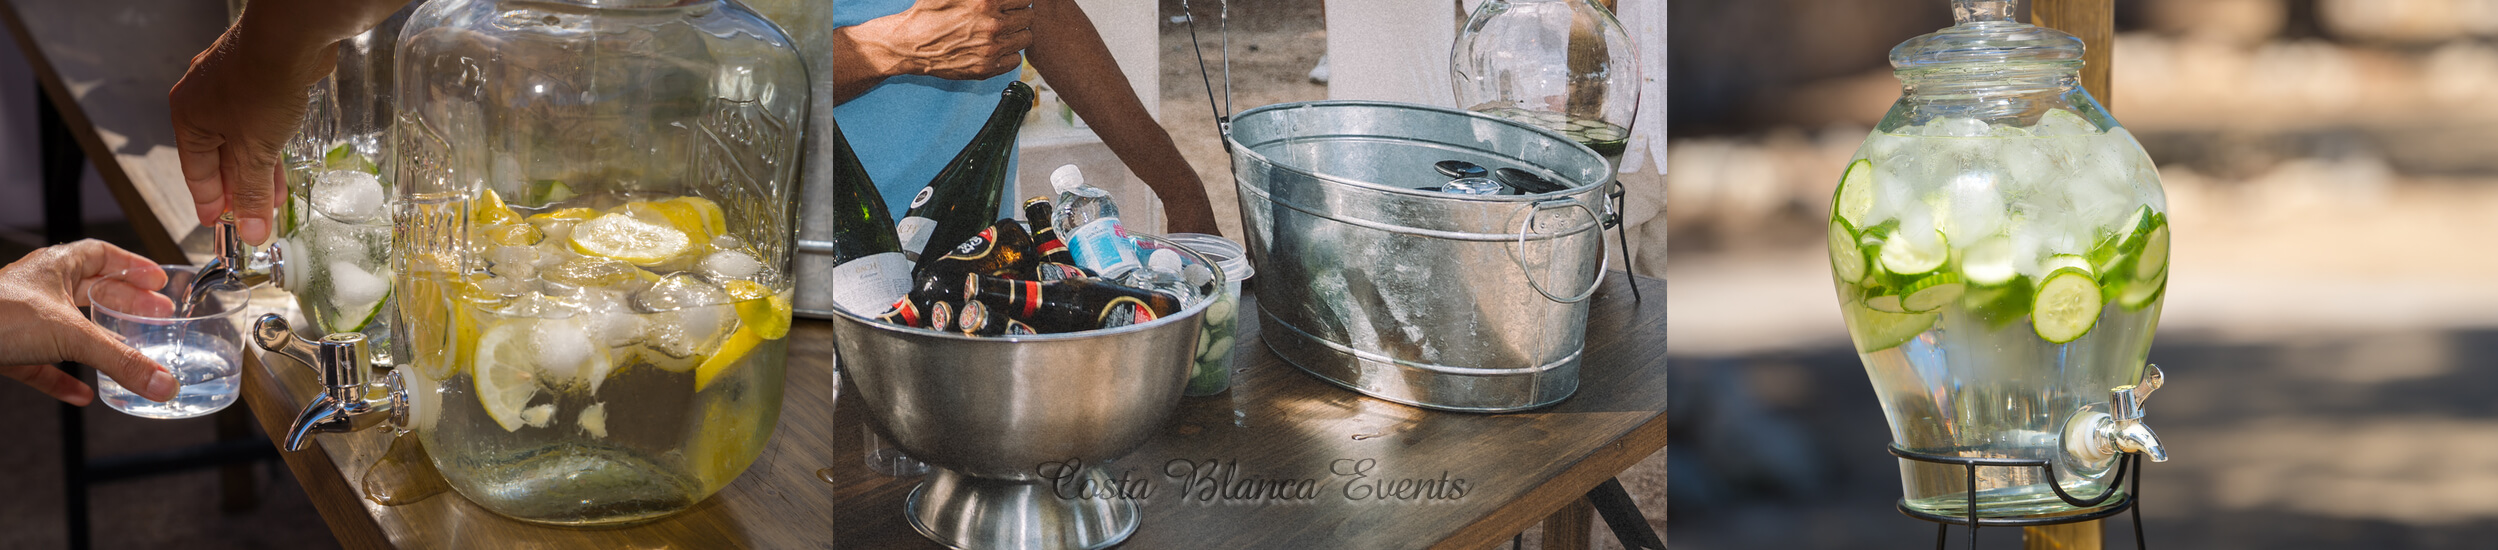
2098	436
345	404
236	265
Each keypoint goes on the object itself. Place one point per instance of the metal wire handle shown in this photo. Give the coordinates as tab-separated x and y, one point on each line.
1526	228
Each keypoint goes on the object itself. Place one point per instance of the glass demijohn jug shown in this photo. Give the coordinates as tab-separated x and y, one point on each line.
592	225
1563	65
2000	249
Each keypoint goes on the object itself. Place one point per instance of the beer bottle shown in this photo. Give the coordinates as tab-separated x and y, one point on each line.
918	313
868	267
1043	217
1001	250
1049	272
965	194
937	286
1069	305
976	319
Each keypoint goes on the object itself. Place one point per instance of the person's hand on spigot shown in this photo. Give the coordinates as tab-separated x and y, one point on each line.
40	325
245	95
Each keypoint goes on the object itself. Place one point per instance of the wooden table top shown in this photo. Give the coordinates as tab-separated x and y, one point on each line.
811	488
1278	423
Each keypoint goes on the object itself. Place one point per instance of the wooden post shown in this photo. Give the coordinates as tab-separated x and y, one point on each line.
2095	22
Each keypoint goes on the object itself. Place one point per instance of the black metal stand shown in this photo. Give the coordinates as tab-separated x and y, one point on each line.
2128	463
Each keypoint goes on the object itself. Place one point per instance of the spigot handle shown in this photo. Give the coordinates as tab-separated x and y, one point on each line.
240	264
339	358
2126	401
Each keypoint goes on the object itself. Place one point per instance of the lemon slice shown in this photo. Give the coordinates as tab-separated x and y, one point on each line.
513	234
732	351
764	311
675	215
567	214
489	209
628	238
505	381
714	220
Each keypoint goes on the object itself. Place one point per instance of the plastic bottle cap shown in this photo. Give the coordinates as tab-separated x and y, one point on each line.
1066	178
1163	260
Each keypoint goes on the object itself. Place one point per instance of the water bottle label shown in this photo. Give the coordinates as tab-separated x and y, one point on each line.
866	285
1103	246
914	232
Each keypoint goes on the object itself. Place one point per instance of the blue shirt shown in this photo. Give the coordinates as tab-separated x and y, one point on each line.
906	128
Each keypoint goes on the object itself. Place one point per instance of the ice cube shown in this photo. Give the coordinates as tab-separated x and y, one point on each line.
518	262
353	287
1956	127
2062	122
563	348
1973	207
686	316
727	265
541	306
607	318
349	196
726	242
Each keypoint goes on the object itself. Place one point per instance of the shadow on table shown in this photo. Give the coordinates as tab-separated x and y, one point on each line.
2363	441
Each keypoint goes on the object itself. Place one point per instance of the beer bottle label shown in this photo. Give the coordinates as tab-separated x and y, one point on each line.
1103	247
915	231
863	284
979	246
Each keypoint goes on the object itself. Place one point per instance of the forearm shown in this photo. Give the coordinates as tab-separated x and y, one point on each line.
858	64
1070	54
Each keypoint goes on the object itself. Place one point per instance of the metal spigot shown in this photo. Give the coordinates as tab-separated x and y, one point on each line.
240	265
346	403
2097	436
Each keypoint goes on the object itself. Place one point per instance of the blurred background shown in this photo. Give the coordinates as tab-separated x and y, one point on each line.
2331	320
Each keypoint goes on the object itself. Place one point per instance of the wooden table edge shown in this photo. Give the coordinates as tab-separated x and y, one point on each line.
156	241
1565	489
267	397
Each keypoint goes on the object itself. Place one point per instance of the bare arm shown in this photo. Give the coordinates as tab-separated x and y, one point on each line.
949	39
243	96
1070	54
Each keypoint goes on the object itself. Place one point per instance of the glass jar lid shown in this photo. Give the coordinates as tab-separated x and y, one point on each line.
1985	32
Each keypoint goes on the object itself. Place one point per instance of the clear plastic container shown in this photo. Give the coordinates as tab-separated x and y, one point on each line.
1217	343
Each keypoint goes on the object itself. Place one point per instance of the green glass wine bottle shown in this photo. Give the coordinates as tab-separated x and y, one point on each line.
869	269
964	196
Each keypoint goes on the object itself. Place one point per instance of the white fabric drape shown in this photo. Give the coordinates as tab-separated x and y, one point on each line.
1645	20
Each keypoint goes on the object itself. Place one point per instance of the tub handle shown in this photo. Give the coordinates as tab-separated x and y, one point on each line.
1527	228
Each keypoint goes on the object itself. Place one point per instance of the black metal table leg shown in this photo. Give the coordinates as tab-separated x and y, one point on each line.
63	222
1622	514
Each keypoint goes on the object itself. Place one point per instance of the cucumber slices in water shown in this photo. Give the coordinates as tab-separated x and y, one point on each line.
1847	260
1904	255
1932	293
1854	198
2067	305
1876	330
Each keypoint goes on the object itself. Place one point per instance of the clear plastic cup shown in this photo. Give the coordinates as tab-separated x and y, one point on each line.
202	346
1216	341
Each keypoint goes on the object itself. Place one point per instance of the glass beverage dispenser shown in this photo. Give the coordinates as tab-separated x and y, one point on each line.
2000	249
592	221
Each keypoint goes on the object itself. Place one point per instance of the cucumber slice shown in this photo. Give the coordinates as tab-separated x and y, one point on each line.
2066	307
2067	261
1886	304
2141	292
1876	331
1906	256
1989	262
2152	260
1933	293
1847	261
1855	196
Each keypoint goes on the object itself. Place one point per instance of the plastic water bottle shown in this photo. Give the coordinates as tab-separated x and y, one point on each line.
1162	273
1089	222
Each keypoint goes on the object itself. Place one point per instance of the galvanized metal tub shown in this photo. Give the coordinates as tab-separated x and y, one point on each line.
1454	302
